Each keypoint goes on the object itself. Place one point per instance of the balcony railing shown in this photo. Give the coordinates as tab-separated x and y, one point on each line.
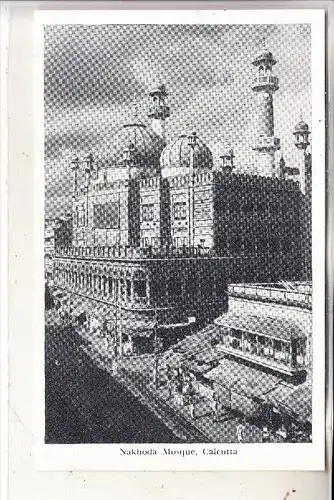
264	142
265	81
301	298
159	111
124	252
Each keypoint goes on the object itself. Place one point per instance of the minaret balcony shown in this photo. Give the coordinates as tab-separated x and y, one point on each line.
159	112
267	83
270	144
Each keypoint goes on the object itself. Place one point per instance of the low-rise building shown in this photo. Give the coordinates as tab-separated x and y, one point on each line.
270	324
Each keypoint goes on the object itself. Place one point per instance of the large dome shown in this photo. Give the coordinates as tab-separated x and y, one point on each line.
177	155
145	144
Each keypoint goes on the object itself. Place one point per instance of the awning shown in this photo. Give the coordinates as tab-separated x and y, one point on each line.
208	355
242	379
195	367
269	326
296	401
200	340
171	326
174	359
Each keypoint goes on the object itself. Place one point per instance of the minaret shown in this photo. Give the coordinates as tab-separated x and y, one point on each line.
302	143
159	111
265	84
88	162
301	134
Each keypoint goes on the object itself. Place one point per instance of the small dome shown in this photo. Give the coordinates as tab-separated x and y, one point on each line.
177	154
146	146
264	55
228	153
301	127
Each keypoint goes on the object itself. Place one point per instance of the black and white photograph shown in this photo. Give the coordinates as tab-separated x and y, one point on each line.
178	278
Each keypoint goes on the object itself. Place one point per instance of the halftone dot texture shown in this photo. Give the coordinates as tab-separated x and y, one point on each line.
92	74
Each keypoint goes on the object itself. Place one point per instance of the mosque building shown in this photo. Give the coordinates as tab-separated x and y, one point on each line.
159	230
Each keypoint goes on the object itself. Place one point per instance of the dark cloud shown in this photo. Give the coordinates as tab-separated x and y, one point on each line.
92	72
97	64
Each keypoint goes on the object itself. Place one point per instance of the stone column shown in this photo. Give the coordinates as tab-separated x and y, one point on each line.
148	292
132	295
242	341
257	345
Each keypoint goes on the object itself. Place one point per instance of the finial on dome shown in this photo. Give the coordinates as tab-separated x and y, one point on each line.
134	107
75	162
264	42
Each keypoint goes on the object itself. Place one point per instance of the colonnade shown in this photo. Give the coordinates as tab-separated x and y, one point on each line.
127	286
287	352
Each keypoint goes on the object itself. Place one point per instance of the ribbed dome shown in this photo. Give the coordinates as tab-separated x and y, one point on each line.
146	145
301	126
177	154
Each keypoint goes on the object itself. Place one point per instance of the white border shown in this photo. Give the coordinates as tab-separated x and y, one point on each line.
250	456
4	392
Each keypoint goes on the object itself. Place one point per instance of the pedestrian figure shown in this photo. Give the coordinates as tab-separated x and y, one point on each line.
265	435
240	431
192	409
154	374
114	366
155	371
214	406
169	388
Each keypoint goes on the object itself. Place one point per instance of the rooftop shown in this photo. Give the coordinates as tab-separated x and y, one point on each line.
242	379
267	326
297	294
126	252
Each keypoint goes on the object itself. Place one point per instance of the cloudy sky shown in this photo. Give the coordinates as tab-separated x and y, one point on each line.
91	74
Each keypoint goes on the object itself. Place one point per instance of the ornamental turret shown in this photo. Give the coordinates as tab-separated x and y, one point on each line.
265	84
88	166
301	134
75	167
159	111
227	161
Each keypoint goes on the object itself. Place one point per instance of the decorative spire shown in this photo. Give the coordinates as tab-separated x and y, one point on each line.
227	157
135	107
264	42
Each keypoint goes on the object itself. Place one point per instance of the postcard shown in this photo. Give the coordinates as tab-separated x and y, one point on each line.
180	228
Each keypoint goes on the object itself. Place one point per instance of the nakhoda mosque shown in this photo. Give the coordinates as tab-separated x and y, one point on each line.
159	230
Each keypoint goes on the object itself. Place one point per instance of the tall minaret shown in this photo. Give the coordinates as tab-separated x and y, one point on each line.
159	111
302	143
265	84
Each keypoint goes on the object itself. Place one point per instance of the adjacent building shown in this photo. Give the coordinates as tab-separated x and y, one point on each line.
57	233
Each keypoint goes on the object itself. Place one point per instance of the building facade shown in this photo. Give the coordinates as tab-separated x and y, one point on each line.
57	233
159	230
